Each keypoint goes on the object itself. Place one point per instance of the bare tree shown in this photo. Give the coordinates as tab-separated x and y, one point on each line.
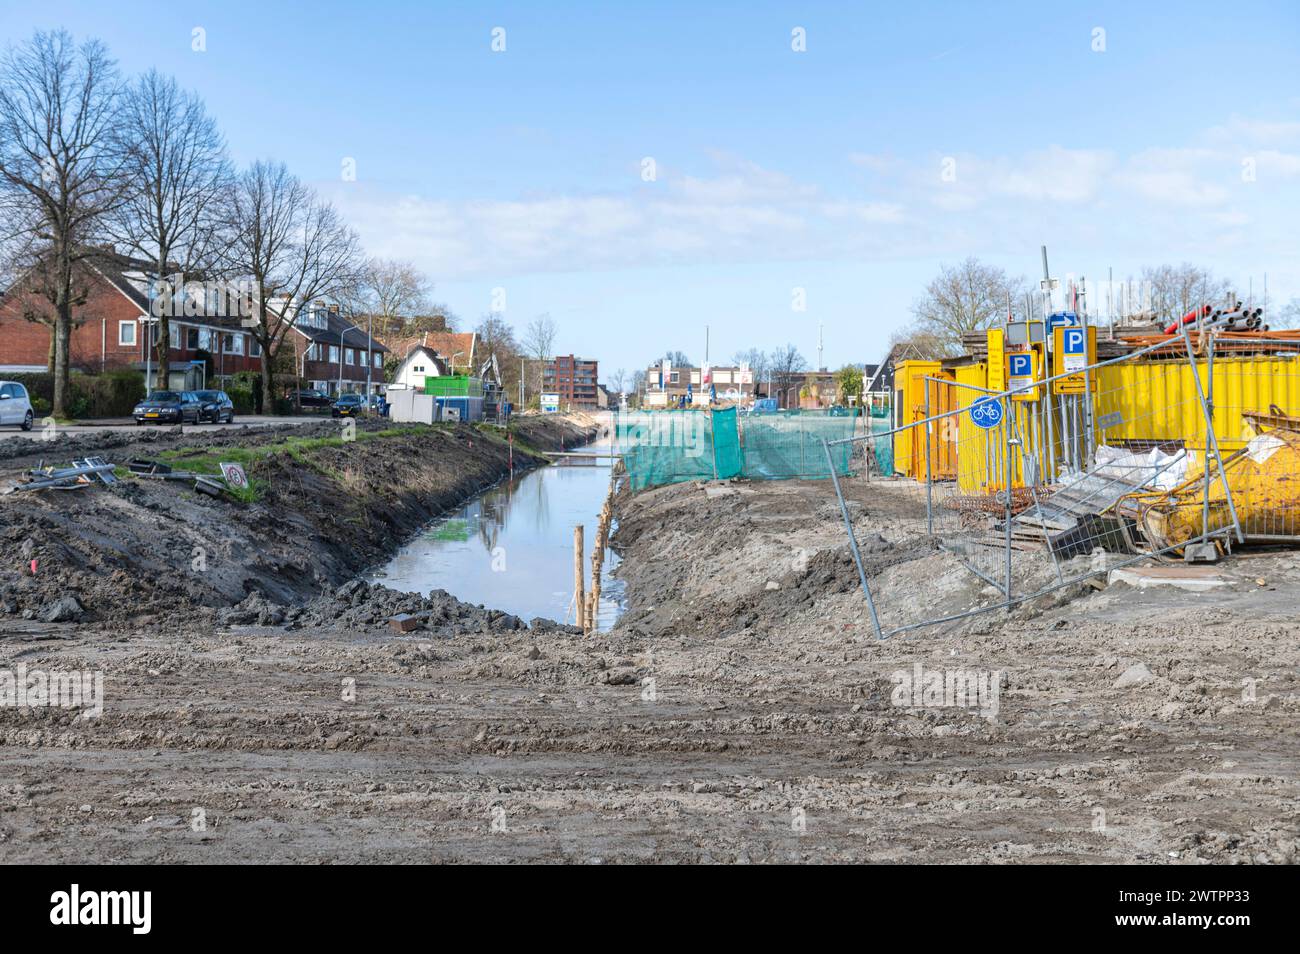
919	344
968	297
1288	316
1177	289
395	291
677	359
539	343
60	169
293	249
176	161
539	337
496	337
757	360
786	366
617	380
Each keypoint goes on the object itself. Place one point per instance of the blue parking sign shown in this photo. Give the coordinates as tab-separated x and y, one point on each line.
1021	365
1073	341
986	412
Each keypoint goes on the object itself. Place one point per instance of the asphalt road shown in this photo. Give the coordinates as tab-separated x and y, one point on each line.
127	424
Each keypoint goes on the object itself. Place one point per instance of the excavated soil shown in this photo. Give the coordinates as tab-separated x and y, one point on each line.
742	710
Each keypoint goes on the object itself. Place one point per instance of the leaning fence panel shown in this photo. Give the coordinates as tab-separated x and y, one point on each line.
1006	495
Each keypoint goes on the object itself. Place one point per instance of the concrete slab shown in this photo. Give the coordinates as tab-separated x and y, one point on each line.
1195	579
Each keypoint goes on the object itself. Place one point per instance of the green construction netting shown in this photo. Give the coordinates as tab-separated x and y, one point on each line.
883	446
664	447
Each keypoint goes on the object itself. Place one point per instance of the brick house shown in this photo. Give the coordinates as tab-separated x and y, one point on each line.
332	354
109	331
110	327
459	350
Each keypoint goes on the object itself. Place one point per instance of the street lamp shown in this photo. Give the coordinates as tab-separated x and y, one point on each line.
147	321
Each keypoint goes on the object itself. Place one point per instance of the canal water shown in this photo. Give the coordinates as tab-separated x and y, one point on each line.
511	547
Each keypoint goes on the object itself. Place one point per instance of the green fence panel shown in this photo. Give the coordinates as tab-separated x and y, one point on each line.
883	447
664	447
788	444
727	459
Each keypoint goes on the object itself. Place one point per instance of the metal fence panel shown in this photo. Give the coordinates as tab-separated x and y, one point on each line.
1015	493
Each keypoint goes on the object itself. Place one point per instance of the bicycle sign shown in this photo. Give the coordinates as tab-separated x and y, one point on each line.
986	412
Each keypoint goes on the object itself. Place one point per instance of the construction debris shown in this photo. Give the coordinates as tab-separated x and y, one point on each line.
82	473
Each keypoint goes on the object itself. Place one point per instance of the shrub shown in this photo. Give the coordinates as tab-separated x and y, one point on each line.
39	385
250	382
243	399
114	394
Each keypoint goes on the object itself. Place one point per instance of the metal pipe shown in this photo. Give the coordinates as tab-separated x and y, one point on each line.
929	494
853	541
1212	439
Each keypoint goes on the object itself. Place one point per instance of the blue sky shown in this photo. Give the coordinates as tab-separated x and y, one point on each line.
774	169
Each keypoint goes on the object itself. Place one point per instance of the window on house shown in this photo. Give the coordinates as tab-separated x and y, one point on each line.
173	336
126	333
334	354
351	356
379	360
236	344
191	339
418	369
254	347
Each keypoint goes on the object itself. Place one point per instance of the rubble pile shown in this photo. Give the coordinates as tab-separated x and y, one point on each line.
358	605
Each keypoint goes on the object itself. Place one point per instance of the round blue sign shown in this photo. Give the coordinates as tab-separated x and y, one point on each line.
986	412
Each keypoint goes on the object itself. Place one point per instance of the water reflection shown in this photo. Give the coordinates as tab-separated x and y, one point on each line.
511	548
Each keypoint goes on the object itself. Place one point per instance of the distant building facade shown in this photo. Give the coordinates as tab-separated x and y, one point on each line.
573	379
668	386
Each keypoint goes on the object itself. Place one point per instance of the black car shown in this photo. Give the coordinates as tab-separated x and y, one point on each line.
348	405
168	407
310	398
216	407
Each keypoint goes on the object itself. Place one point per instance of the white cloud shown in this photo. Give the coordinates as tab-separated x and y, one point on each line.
1153	201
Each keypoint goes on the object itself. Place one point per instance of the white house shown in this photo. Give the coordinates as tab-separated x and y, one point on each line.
420	363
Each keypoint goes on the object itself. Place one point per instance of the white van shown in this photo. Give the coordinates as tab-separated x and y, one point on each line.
15	405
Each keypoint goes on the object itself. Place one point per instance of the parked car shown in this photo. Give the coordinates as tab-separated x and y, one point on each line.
348	405
216	407
764	406
15	405
169	407
308	398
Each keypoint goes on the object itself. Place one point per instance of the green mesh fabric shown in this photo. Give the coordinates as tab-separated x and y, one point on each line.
883	446
726	443
664	447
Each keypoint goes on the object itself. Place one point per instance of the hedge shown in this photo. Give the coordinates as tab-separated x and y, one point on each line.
112	394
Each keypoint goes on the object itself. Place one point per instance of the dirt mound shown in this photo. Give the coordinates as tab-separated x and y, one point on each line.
327	510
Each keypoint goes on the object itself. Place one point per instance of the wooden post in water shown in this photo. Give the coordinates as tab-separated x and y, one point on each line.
579	602
598	556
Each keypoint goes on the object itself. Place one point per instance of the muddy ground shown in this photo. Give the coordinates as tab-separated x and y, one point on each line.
742	710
